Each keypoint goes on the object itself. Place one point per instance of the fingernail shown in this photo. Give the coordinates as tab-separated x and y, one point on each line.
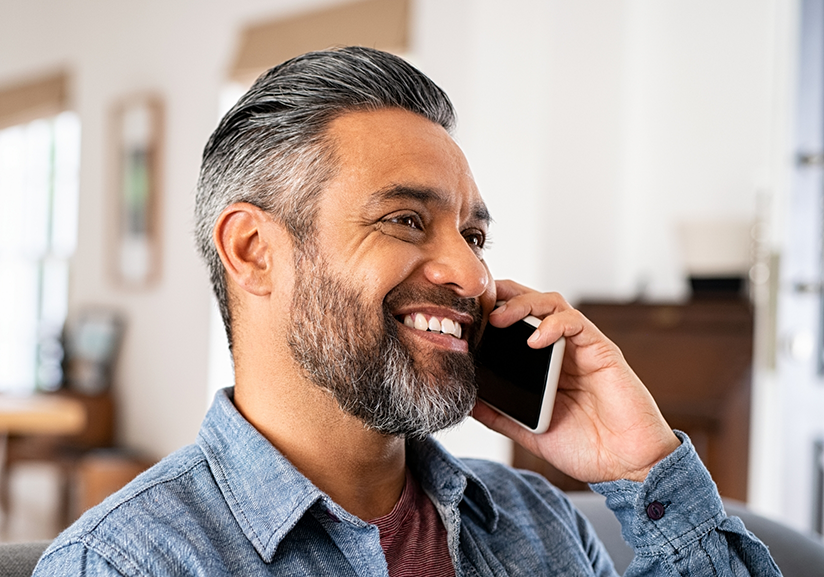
534	337
500	309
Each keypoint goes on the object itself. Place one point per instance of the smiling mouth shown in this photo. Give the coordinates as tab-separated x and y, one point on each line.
433	324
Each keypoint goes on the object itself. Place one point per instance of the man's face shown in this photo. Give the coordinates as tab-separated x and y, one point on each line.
389	299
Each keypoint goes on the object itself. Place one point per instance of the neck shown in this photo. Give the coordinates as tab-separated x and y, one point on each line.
361	470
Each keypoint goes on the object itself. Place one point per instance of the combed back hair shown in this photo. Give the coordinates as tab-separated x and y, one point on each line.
270	149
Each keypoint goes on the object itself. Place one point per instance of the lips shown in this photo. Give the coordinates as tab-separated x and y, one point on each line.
431	323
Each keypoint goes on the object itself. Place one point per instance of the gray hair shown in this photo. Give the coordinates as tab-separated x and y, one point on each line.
271	150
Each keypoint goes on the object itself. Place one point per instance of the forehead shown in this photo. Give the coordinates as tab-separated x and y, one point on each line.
389	153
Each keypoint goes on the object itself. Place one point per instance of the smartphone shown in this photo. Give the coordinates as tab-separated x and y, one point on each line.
516	380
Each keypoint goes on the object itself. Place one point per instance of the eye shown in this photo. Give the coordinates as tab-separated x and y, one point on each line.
412	221
475	238
405	226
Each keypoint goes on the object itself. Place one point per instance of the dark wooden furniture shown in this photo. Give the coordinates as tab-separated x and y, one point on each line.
67	449
695	358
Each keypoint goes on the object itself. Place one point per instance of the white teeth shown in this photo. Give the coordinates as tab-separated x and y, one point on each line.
445	326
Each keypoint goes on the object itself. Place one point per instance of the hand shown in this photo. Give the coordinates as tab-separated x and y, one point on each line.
605	425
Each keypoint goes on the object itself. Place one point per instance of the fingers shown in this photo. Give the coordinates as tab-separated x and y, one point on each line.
508	289
520	301
559	318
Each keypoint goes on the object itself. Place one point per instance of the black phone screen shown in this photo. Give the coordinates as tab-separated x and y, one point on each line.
511	376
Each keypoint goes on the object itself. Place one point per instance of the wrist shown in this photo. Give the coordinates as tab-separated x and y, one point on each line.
663	449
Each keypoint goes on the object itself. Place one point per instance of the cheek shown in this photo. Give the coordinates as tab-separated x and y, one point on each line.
383	270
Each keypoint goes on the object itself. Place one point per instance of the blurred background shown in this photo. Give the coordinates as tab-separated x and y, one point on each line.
658	163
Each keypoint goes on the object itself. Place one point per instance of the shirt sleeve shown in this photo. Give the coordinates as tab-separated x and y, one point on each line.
676	524
75	560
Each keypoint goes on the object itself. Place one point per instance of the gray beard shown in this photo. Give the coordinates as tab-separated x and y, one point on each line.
356	355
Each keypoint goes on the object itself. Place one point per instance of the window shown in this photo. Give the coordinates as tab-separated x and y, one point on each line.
39	166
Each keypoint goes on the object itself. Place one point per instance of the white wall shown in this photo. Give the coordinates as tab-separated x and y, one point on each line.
610	122
592	127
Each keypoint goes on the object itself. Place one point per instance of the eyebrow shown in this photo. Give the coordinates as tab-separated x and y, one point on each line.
425	195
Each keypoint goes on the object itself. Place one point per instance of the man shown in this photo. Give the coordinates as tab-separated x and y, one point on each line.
345	235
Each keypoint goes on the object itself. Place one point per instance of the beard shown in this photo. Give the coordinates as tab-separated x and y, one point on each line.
355	353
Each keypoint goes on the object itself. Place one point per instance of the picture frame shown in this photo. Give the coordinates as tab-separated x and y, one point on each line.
137	137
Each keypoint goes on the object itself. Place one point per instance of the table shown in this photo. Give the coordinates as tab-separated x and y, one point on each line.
40	414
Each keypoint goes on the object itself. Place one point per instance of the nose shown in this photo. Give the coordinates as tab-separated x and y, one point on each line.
452	263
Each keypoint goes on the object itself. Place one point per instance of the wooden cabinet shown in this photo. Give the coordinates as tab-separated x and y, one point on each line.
695	358
63	451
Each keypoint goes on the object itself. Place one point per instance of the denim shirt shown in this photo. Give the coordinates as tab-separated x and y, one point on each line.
231	504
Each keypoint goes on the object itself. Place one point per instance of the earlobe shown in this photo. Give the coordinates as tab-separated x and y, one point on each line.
242	236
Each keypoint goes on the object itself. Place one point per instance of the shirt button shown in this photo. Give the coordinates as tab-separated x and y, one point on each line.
655	510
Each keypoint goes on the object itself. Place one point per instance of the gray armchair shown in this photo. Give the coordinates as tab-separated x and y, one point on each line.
19	559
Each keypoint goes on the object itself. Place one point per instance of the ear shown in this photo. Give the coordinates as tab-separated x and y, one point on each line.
250	244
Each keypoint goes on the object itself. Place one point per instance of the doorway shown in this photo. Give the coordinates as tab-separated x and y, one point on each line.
800	324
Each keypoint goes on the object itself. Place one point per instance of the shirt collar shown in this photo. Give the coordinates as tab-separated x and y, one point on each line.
448	481
268	495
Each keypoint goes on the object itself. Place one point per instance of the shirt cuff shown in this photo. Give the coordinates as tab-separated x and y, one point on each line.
676	504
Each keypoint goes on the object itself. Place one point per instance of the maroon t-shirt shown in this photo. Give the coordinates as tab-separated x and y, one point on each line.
413	537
